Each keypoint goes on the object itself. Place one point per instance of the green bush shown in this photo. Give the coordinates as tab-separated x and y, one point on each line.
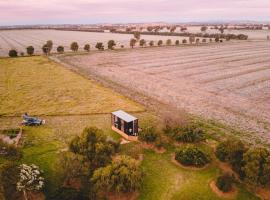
188	133
124	174
13	53
224	183
257	166
192	156
60	49
232	151
148	135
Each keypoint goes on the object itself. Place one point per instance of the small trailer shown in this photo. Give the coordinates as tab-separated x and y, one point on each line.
125	124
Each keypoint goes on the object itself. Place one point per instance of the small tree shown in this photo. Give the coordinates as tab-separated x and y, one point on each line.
204	40
148	135
217	39
257	166
142	42
99	46
95	147
224	183
30	50
151	43
137	35
123	175
45	49
132	42
60	49
160	42
111	44
191	39
177	42
232	151
169	42
74	46
87	47
30	179
184	41
204	28
13	53
49	45
197	41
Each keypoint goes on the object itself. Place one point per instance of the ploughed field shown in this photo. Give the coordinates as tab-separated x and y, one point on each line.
228	82
20	39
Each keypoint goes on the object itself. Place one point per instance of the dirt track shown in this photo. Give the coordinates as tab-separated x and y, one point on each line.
229	82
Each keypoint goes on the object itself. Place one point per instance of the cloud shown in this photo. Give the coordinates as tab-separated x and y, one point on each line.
91	11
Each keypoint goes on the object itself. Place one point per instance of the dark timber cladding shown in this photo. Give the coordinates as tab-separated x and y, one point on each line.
125	123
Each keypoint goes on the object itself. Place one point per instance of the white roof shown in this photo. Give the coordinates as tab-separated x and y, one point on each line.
124	116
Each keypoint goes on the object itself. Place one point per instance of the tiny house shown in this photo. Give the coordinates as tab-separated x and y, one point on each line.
125	124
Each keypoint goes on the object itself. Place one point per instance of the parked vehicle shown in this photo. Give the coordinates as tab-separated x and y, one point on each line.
31	121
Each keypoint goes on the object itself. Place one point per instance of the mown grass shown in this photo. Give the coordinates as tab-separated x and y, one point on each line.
40	86
165	180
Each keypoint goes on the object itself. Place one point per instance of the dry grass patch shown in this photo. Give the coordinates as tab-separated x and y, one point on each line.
41	87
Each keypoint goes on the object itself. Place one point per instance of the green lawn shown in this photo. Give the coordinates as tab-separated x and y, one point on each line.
42	87
164	180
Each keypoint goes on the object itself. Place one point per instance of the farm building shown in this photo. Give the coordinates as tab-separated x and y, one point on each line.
125	124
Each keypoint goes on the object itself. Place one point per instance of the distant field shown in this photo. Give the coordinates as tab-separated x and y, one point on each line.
20	39
41	87
229	83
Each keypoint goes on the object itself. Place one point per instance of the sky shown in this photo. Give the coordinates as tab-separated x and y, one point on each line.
24	12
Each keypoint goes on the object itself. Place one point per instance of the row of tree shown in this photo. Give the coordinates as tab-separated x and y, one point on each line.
187	34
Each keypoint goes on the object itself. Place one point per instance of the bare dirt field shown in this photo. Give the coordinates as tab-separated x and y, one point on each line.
228	82
20	39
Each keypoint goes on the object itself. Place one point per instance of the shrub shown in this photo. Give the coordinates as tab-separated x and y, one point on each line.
45	49
132	42
123	175
74	46
151	43
224	183
186	133
197	40
169	42
122	46
177	42
192	156
60	49
22	54
99	46
148	134
111	44
13	53
184	41
142	42
204	40
160	42
257	166
232	151
87	47
30	50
